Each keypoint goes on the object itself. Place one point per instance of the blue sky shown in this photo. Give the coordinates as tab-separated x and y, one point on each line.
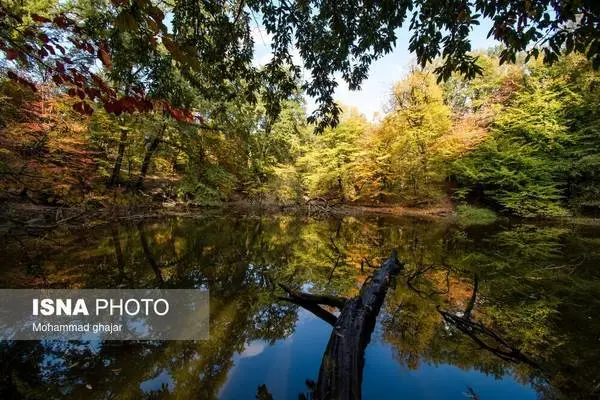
375	91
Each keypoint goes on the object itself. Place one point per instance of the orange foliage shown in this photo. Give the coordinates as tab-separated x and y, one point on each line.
45	155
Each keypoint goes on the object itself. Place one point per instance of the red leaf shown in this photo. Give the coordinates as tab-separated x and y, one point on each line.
169	45
99	82
85	46
127	104
104	57
39	18
112	107
109	106
75	42
50	49
157	14
72	92
58	79
43	37
77	77
88	109
12	54
181	115
78	107
102	85
92	92
147	105
62	22
81	94
83	108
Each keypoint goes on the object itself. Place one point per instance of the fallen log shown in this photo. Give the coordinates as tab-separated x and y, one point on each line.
340	375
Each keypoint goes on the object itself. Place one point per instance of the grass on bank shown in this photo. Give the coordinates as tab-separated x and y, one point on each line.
471	215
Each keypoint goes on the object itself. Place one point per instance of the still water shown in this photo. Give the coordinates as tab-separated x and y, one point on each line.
503	311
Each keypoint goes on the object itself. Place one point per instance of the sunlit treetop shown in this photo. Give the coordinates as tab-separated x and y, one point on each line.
115	52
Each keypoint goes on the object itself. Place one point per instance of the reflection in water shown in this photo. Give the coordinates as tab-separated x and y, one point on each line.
538	291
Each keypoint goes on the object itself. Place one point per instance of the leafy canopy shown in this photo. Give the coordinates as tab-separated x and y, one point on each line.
211	41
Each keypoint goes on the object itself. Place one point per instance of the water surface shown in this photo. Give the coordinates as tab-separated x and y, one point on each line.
537	300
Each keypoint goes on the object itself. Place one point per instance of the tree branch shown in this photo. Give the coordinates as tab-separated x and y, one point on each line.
333	301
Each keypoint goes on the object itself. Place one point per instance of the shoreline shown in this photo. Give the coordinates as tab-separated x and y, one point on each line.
27	218
41	217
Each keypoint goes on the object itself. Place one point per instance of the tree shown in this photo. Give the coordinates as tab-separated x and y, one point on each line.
212	42
327	163
540	156
481	94
399	159
273	148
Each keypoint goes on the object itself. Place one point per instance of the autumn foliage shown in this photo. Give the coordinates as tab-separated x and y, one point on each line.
56	45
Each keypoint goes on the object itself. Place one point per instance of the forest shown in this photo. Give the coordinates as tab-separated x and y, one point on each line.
160	127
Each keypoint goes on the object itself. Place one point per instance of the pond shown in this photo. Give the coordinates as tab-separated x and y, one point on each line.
509	310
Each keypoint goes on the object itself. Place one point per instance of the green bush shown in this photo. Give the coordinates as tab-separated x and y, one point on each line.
470	215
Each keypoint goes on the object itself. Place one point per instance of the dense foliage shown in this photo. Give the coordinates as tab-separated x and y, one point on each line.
211	42
522	139
542	153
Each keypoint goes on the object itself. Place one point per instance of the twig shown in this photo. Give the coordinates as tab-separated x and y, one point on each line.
50	226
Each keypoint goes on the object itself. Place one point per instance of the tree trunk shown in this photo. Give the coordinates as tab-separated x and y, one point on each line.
149	256
341	189
118	251
340	375
148	157
114	178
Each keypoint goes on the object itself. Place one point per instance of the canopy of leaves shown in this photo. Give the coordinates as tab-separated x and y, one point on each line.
212	42
541	155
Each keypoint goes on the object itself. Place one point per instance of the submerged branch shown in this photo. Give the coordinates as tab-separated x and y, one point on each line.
472	300
30	225
313	308
478	332
333	301
340	375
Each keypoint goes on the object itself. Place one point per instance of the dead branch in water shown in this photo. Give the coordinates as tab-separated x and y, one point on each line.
486	338
340	375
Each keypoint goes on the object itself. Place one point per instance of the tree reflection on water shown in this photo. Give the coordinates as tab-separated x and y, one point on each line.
537	290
